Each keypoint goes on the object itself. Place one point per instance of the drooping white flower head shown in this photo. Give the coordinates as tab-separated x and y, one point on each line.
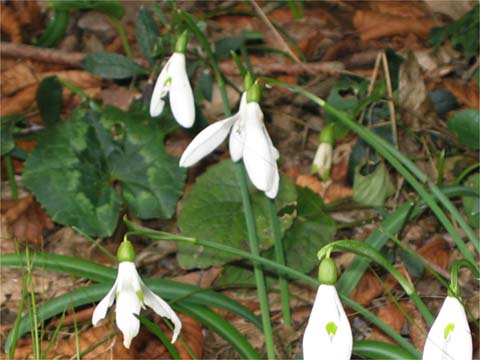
322	162
328	334
249	140
173	80
131	296
449	337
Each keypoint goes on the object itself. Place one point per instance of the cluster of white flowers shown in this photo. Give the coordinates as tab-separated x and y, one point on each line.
328	334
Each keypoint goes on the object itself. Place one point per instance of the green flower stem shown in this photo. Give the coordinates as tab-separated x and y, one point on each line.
280	259
247	206
123	35
456	265
281	269
368	251
11	176
257	268
405	167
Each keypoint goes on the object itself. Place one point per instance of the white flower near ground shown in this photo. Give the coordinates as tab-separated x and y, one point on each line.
449	337
328	334
173	80
322	162
249	140
131	296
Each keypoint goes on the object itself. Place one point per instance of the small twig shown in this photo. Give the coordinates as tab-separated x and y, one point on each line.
53	56
327	67
391	104
279	37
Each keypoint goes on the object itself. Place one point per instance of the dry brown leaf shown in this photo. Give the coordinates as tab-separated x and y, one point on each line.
28	13
414	95
391	315
436	251
368	288
373	25
25	220
202	278
417	329
310	182
336	191
16	78
18	103
397	8
9	24
119	96
79	78
466	94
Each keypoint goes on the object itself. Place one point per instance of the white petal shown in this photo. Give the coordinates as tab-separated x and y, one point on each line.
128	278
160	90
128	305
181	95
322	161
317	342
458	344
162	308
257	152
206	141
272	192
237	135
102	307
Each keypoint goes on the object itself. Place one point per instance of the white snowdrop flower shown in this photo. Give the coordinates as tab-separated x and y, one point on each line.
173	80
322	162
328	334
450	337
131	296
249	140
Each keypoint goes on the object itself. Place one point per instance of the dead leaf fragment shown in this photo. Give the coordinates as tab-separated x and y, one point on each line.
16	78
374	25
9	24
436	251
25	220
391	315
466	94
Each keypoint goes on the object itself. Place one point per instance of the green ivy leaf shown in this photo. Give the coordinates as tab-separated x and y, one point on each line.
372	189
49	100
465	124
111	65
147	33
77	165
312	229
213	211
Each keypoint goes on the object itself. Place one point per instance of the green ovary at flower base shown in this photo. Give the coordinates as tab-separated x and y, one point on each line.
131	296
173	79
328	334
248	140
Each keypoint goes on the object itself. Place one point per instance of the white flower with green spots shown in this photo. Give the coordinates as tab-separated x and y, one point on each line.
132	295
328	334
450	337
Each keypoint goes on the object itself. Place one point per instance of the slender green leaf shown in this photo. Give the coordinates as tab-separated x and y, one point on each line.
110	7
381	350
111	65
471	204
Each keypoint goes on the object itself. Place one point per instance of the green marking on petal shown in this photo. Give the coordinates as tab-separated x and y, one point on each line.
140	296
168	80
448	329
331	328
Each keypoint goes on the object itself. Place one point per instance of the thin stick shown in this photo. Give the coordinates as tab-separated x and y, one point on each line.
52	56
391	105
